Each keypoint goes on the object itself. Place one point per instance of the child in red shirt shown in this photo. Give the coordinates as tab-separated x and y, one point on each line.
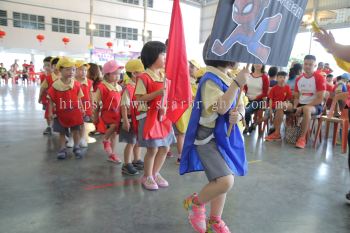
278	96
109	92
86	87
65	96
128	131
43	93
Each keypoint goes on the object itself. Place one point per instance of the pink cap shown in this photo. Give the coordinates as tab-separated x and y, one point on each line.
110	67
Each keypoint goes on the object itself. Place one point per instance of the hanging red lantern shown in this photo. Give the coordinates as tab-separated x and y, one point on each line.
65	40
40	37
2	34
109	44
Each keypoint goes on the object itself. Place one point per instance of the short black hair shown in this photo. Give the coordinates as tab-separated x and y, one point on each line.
47	59
214	63
151	51
129	74
310	57
282	73
339	78
272	71
55	61
262	69
330	76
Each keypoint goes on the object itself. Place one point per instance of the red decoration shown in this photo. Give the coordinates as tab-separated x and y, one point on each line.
2	34
40	37
65	40
129	46
109	44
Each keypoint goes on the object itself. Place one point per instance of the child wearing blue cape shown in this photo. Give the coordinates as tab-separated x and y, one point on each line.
208	148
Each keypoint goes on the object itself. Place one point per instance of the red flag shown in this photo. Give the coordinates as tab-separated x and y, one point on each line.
176	68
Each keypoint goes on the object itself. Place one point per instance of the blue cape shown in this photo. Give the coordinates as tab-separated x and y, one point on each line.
231	148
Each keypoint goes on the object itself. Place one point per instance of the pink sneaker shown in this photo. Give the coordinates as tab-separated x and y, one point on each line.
114	159
149	183
161	182
107	146
217	227
196	214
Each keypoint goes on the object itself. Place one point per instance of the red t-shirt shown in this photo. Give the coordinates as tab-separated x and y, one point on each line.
329	88
280	94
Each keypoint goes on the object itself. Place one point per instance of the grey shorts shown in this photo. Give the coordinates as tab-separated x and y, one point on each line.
213	163
166	142
127	137
58	128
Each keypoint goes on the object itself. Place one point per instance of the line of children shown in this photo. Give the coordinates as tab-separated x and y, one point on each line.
109	94
64	101
128	131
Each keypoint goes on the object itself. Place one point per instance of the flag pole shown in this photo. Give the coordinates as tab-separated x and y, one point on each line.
234	109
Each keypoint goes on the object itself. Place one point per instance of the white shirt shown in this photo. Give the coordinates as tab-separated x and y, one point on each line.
255	87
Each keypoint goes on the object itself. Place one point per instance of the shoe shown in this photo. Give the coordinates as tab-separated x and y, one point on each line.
178	161
77	152
129	169
301	142
170	154
217	227
273	137
245	131
62	154
196	214
347	196
91	140
271	130
83	143
149	183
70	142
251	128
138	164
161	182
47	131
107	146
114	159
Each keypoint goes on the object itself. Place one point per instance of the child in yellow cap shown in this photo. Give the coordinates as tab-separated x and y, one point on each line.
65	97
128	131
87	89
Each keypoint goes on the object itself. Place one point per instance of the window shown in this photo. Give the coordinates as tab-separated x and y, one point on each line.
3	18
134	2
127	33
65	25
21	20
102	30
150	3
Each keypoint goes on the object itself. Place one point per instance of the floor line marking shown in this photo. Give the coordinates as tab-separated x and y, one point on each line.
254	161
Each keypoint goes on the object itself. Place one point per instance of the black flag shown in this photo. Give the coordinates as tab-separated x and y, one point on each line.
255	31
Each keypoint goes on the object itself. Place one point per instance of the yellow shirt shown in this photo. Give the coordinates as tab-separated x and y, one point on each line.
125	100
45	85
61	86
210	95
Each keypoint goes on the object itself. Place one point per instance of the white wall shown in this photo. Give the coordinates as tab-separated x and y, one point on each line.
23	41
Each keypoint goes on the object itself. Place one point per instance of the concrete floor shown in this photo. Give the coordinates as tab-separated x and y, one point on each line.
286	191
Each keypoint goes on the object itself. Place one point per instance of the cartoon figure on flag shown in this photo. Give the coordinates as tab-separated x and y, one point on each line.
247	14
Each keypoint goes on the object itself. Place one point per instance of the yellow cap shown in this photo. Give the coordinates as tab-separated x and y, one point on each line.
199	73
195	64
134	65
65	62
80	63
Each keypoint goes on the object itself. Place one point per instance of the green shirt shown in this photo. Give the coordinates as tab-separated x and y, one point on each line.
2	70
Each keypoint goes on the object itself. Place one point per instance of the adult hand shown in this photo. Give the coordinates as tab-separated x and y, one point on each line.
326	39
234	117
126	126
